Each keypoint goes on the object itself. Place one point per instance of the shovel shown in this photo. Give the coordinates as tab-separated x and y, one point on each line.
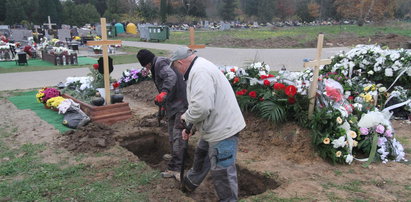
188	129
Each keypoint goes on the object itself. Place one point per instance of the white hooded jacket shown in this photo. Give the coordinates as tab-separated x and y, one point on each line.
212	105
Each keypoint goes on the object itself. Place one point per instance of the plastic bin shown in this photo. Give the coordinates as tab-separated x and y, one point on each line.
158	33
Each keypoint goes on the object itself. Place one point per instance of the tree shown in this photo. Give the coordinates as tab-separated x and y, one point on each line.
163	10
266	10
250	7
227	10
3	8
147	11
366	9
403	9
285	8
14	14
313	9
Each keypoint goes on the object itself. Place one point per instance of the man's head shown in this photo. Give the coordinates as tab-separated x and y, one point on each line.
145	57
182	58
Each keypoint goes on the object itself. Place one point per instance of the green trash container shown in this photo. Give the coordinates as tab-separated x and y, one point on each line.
158	33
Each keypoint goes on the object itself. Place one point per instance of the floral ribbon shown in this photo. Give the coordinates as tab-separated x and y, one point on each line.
398	77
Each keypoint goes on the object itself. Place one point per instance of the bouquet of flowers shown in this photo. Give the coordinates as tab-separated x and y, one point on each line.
45	94
133	76
54	102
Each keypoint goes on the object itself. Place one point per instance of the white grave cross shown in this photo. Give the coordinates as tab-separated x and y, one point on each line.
104	43
49	24
316	64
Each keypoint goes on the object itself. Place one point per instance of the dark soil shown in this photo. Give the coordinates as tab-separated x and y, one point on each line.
93	137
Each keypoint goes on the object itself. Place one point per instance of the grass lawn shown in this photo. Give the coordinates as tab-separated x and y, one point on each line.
24	177
303	34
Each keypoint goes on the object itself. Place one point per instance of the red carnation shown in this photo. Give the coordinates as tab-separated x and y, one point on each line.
350	98
266	83
279	86
290	90
236	80
270	76
116	85
239	92
244	91
95	66
252	94
232	69
262	77
291	100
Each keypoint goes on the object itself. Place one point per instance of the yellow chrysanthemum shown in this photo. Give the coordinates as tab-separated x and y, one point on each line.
367	88
338	154
326	140
54	101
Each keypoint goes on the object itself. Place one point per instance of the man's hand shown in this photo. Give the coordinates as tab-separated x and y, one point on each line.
160	97
185	135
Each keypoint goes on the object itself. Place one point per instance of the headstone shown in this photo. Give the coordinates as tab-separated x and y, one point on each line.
255	24
21	34
98	29
224	26
49	24
63	26
63	34
206	24
83	32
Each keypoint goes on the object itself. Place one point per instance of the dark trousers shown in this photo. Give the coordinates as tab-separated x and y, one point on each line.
176	142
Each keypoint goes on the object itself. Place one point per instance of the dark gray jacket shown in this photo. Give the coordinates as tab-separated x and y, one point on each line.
169	80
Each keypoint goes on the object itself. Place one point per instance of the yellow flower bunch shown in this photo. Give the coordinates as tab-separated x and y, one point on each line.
55	101
97	38
40	95
370	87
367	97
77	38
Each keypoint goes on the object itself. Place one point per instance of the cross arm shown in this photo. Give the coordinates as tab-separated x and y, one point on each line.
317	63
100	43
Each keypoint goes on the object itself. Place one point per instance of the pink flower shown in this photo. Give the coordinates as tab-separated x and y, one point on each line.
380	129
388	133
364	131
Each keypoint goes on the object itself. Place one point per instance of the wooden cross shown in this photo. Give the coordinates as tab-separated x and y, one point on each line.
49	24
316	64
104	43
192	43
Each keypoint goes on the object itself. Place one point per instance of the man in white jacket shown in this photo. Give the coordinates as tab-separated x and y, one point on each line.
214	112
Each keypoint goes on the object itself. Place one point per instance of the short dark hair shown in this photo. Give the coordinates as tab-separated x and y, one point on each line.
145	56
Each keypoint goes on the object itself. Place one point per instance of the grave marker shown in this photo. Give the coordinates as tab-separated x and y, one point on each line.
49	24
104	43
63	34
192	41
316	64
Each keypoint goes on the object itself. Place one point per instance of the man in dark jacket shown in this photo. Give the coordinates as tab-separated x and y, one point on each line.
172	94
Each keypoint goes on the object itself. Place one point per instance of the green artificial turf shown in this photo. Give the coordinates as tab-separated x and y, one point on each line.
41	63
27	100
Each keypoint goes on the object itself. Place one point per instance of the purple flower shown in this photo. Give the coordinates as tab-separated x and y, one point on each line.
126	79
380	129
388	133
364	131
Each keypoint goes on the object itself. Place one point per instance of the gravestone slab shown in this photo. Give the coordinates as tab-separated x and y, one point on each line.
20	34
83	32
63	34
98	29
206	24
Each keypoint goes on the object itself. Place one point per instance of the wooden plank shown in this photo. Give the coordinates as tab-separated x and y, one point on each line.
316	63
196	46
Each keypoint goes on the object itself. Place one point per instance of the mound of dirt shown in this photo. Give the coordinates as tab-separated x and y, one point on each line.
93	137
144	91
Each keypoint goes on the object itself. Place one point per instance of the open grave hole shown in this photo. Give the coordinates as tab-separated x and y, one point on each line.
150	148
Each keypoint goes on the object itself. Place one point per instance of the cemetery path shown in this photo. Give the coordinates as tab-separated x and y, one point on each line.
37	79
292	59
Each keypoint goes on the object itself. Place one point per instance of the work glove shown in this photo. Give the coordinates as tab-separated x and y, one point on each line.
160	97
